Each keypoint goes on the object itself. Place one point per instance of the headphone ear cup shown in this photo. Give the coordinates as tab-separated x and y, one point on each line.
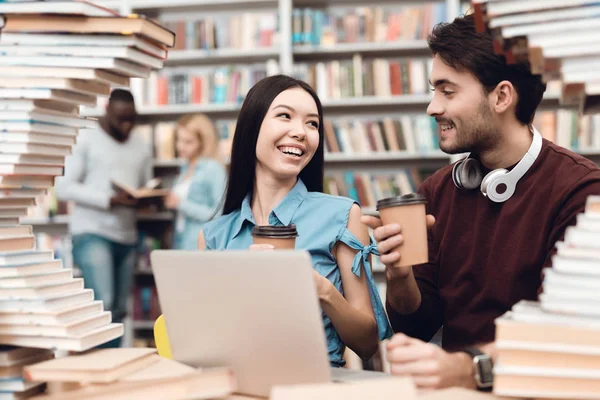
469	174
491	182
455	175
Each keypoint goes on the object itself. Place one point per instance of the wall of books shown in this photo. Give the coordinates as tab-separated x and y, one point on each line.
369	65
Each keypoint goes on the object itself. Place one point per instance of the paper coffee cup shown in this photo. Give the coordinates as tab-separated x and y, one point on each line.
281	237
409	212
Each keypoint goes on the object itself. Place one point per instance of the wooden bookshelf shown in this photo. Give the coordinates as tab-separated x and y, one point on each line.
207	57
165	5
372	49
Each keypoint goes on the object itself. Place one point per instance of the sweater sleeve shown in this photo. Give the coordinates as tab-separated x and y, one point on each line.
427	319
212	180
71	186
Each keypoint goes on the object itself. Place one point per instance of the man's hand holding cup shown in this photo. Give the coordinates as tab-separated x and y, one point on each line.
401	233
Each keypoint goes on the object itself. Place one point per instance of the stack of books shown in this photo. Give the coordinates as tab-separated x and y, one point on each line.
55	57
113	374
551	348
13	361
560	40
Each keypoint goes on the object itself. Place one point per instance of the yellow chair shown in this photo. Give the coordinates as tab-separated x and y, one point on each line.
161	338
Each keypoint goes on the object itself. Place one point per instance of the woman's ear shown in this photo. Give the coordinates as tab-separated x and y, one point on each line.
505	96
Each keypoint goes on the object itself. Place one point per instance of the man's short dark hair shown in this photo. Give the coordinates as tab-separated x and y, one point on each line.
462	48
121	95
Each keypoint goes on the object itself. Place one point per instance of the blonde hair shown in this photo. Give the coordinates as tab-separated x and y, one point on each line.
205	131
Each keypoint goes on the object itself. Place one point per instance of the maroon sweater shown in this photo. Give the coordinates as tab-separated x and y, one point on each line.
484	257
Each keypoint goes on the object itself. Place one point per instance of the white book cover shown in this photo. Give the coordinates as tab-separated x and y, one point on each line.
575	13
31	159
547	372
569	305
73	328
82	40
534	314
497	8
45	289
95	52
51	117
36	148
549	27
49	277
34	137
572	252
53	317
120	66
78	343
579	237
554	279
48	94
56	7
31	125
16	258
548	347
48	303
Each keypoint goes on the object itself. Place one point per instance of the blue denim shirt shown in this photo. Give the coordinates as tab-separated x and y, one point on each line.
202	202
321	221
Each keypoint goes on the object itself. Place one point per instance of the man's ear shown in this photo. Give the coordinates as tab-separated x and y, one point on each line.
505	96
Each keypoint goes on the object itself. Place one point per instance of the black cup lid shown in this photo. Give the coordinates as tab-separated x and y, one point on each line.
410	198
275	231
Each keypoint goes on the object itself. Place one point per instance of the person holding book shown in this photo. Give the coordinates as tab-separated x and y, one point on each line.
495	216
200	186
276	178
103	222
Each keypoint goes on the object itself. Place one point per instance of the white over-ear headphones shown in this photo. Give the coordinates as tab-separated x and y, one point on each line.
467	174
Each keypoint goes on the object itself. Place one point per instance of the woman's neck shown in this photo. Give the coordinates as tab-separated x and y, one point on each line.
268	193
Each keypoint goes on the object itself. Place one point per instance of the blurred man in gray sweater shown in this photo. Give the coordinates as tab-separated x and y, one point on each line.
103	223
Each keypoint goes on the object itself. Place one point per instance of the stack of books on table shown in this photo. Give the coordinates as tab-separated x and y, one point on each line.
551	348
560	39
13	361
134	373
55	57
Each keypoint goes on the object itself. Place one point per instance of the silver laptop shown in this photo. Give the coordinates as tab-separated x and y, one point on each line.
256	312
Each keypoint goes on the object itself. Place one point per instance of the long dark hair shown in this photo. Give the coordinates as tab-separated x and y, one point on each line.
242	167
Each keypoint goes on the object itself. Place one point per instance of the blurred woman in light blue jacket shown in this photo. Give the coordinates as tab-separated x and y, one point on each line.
199	188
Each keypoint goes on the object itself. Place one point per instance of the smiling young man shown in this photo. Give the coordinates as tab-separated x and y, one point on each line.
486	252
